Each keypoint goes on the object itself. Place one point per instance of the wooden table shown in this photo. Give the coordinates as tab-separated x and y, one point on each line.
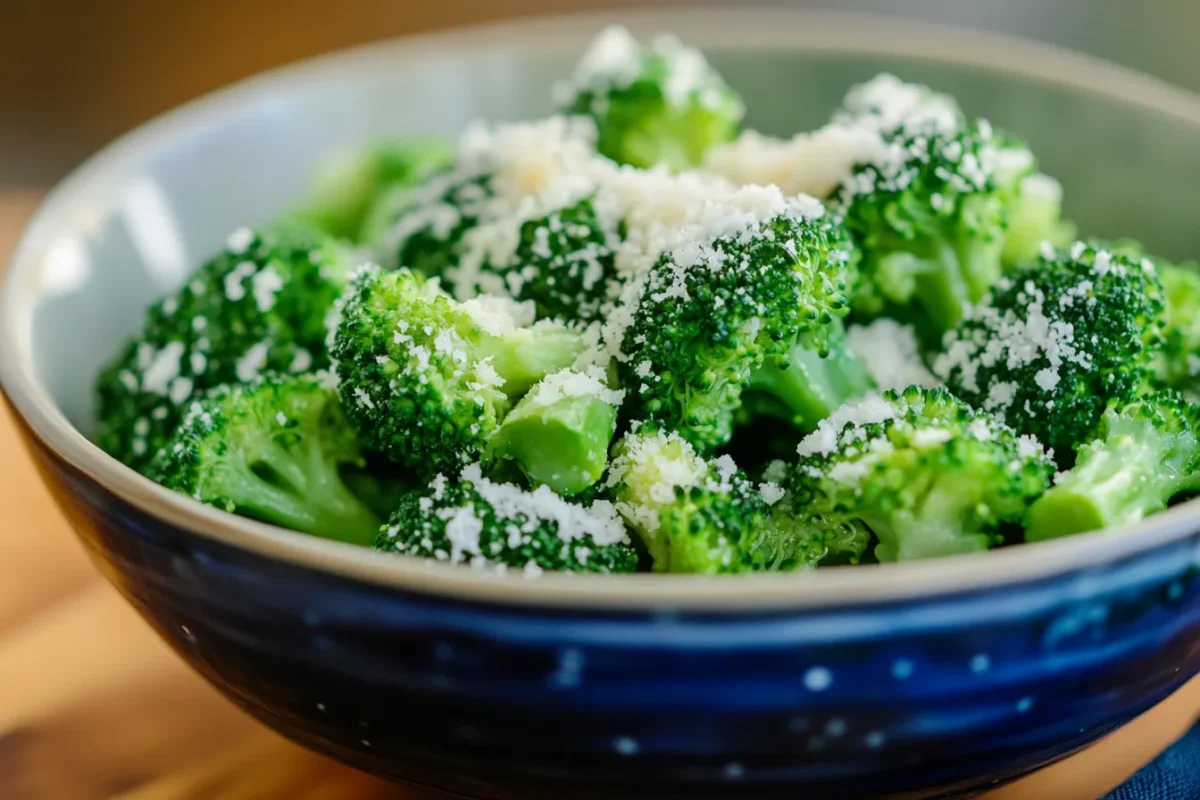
93	705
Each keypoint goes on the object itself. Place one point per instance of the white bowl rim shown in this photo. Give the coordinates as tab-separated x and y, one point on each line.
760	28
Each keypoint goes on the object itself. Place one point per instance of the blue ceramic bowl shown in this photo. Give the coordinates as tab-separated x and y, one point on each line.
930	678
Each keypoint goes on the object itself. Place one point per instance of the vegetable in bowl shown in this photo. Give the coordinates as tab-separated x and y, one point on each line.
541	347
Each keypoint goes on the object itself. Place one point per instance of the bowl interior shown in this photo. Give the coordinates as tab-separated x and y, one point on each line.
163	201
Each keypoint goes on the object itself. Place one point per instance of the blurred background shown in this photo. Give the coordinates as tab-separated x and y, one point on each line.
76	73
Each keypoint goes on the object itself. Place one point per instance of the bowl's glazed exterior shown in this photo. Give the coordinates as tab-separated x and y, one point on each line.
931	679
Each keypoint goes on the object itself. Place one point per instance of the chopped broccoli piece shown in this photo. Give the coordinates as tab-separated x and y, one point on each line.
560	431
804	387
792	539
474	520
710	314
1056	343
922	470
348	182
260	305
1145	453
273	450
656	104
426	380
1033	200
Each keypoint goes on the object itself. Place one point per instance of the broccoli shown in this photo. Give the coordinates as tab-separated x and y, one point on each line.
380	483
348	182
560	431
804	387
260	305
793	539
922	470
427	380
272	449
655	104
471	519
1033	200
710	313
1144	454
1057	342
930	222
891	107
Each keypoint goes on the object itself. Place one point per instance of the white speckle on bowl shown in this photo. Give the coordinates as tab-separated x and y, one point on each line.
626	746
734	770
875	739
818	679
366	743
321	707
902	669
1024	704
835	727
187	633
1073	623
982	662
570	668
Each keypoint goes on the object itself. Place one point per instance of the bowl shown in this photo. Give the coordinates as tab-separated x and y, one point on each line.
921	679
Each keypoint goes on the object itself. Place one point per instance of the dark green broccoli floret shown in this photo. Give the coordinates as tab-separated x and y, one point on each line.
930	222
1144	454
803	387
710	314
473	520
260	305
655	104
1056	343
349	182
560	431
427	380
273	450
922	470
422	228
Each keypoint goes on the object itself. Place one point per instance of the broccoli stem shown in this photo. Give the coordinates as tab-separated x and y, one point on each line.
525	356
1133	472
936	528
563	445
810	387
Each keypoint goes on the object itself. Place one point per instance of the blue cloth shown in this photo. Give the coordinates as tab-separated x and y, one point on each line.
1174	776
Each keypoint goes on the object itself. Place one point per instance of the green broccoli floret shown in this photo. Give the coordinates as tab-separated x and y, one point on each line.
1144	454
930	222
1033	200
803	387
348	183
1056	343
260	305
427	380
473	520
560	431
273	450
792	539
709	315
922	470
656	104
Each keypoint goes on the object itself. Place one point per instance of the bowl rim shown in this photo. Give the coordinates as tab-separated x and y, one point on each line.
89	188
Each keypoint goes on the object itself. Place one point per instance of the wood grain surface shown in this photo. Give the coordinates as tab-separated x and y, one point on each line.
93	705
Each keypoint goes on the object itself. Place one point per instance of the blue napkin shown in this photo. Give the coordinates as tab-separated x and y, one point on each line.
1174	776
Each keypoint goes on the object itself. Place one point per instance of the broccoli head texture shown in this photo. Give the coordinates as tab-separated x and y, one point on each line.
471	519
928	475
260	305
272	449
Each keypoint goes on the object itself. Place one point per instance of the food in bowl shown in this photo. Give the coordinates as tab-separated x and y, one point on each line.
635	336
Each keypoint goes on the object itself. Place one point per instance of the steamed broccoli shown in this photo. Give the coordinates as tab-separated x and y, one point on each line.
347	183
922	470
427	380
272	449
655	104
1145	453
1057	342
891	107
258	305
711	313
471	519
560	431
1033	200
793	539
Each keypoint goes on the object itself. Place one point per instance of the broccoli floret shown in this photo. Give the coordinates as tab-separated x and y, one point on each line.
1033	200
656	104
348	182
692	515
930	222
793	539
560	431
922	470
710	314
804	387
1056	343
473	520
260	305
422	228
427	380
890	107
272	449
1144	454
